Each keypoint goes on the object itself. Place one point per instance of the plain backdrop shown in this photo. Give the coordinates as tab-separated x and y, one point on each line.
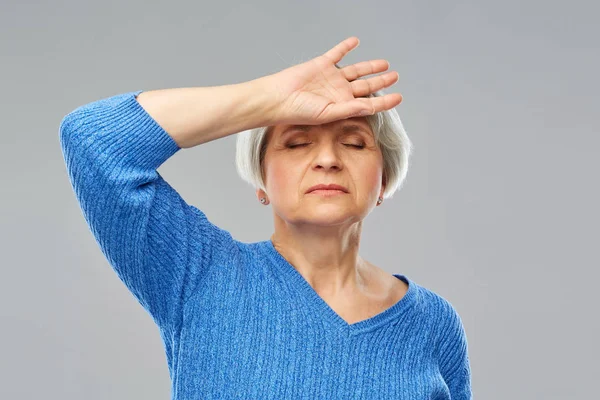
499	213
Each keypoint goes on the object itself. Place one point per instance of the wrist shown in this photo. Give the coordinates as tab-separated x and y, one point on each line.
265	99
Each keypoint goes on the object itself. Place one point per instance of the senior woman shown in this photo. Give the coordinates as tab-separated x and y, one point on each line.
301	315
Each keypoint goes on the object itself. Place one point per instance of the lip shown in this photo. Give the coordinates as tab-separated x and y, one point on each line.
326	192
331	186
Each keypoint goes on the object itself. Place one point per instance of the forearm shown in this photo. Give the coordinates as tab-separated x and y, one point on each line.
196	115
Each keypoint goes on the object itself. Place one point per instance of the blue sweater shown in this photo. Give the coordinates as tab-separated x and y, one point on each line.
237	320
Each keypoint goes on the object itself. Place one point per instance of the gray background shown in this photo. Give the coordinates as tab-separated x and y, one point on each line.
498	213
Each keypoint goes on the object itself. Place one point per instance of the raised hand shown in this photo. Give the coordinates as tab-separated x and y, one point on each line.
318	91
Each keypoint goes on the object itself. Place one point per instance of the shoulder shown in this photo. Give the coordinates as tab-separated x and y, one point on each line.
449	332
434	303
441	315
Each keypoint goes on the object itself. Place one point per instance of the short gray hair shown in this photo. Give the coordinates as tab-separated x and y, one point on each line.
390	136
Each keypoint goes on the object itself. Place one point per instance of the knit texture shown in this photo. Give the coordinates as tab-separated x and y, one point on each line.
237	320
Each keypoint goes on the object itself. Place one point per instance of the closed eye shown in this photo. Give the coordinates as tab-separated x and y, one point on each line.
358	146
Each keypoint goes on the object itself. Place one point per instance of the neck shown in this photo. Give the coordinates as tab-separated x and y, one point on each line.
326	256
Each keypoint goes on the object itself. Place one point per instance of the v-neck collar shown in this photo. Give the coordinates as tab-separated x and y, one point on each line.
300	284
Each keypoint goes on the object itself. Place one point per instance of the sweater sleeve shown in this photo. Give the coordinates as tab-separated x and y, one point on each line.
158	245
454	356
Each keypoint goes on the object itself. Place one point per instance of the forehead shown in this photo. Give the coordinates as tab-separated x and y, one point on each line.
345	126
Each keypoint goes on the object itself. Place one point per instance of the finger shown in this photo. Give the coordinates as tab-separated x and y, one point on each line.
381	103
364	87
355	71
341	49
360	107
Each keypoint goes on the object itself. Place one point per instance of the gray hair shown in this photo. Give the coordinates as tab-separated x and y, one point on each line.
389	134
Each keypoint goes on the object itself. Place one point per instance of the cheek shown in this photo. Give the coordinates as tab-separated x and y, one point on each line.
371	175
280	177
369	181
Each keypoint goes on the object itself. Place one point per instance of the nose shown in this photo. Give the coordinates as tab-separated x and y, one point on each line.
327	157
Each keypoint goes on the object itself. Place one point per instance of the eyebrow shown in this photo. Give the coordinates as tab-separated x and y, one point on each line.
347	127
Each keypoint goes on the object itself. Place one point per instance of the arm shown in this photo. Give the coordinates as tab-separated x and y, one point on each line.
193	116
454	357
158	245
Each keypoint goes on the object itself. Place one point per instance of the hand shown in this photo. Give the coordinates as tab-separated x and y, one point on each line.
318	91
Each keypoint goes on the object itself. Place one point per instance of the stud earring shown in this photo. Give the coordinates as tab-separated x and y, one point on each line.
380	200
263	200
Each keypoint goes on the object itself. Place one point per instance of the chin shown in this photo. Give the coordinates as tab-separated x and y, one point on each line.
330	217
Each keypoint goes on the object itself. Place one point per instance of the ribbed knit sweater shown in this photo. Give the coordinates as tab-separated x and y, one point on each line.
237	320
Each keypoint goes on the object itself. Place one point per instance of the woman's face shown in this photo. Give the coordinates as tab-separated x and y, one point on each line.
342	152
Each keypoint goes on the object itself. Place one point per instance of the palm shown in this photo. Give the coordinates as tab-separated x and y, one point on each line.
317	91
